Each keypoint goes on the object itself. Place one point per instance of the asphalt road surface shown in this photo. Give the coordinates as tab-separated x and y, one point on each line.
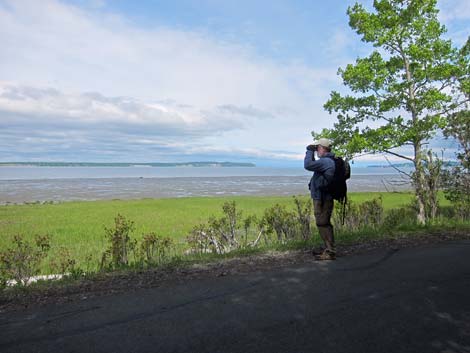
410	300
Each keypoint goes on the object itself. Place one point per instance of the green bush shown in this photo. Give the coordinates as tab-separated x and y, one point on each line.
120	243
220	234
399	217
22	261
280	222
304	216
155	249
356	216
63	262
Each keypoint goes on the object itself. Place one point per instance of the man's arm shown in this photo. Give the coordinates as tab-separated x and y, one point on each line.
320	165
311	164
308	160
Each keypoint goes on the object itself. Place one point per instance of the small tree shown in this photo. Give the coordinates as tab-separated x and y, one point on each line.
458	127
154	248
23	259
432	174
220	235
280	221
403	91
120	243
304	216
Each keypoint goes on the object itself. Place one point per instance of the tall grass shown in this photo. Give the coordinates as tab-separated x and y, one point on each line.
80	226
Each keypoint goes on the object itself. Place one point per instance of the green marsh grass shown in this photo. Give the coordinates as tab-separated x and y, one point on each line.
79	226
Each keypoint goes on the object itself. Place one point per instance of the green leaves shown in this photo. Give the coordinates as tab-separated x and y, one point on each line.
398	93
368	74
395	22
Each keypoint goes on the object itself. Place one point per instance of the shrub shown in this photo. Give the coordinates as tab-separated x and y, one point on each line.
304	216
120	243
219	235
200	240
368	214
281	222
63	262
459	211
372	212
154	249
248	224
22	261
462	211
397	217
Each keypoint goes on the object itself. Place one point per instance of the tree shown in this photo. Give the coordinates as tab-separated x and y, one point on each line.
457	181
402	92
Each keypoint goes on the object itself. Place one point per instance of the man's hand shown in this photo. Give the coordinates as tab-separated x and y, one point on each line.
312	148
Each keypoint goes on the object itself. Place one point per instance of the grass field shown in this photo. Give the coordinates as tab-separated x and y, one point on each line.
79	226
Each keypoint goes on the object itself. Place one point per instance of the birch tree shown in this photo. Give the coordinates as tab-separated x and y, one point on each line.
402	92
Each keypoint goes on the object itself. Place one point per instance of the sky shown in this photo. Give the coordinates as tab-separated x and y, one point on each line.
175	81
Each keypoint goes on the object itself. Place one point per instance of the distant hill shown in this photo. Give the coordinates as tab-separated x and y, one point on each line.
89	164
409	165
397	165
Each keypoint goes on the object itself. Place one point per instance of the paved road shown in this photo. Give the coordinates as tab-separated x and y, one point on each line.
411	300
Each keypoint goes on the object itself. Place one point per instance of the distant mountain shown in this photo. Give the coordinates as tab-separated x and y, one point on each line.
89	164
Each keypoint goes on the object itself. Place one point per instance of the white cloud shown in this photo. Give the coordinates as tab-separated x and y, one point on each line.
83	80
158	81
58	45
33	119
248	152
47	106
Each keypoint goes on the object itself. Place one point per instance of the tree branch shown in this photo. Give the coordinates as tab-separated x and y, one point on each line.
399	155
397	169
448	110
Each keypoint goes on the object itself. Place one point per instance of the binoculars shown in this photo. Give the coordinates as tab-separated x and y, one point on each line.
312	148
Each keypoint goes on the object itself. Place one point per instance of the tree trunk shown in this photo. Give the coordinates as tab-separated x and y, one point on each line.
419	184
418	177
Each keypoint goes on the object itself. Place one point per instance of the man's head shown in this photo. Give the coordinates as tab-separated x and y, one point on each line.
323	146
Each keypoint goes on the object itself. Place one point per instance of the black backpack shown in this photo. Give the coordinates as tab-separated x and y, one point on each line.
337	186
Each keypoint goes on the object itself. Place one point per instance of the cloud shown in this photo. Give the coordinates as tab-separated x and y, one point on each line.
249	111
247	153
86	83
35	121
49	106
76	78
54	44
47	120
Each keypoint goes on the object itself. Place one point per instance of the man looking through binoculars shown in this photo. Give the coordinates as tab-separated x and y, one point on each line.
320	186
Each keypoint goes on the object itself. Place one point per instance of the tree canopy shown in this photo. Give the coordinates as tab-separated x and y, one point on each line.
402	91
401	94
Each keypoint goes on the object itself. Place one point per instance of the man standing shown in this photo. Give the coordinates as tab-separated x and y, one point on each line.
323	171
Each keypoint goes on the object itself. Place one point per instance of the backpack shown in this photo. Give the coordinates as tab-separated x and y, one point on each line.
337	186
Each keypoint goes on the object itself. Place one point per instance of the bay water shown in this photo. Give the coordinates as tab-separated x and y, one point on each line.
20	184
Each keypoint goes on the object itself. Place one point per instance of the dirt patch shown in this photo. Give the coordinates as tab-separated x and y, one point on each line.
118	282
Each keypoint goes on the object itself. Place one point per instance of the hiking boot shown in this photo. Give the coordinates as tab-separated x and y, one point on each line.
318	251
325	256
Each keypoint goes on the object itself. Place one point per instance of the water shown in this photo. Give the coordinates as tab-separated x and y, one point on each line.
19	184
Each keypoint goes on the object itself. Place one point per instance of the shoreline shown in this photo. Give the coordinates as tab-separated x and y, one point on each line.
88	189
406	193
